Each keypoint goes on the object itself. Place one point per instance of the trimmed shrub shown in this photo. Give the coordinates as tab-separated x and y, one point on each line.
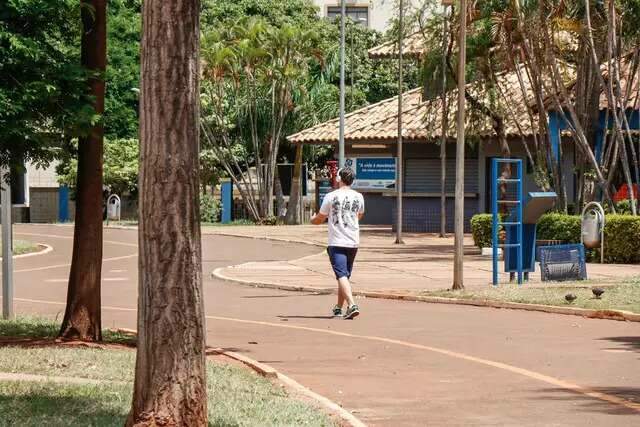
271	220
481	227
558	226
621	234
623	207
209	208
622	239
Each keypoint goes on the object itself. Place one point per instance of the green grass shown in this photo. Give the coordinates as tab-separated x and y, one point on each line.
230	224
623	296
46	404
237	396
90	363
38	328
21	247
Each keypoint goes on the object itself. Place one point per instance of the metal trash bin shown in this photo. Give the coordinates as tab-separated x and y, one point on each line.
113	208
561	263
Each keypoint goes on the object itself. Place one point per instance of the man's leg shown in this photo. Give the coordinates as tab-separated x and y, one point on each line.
341	297
344	287
337	259
352	308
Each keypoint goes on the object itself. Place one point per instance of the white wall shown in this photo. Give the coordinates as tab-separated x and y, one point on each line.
42	178
380	11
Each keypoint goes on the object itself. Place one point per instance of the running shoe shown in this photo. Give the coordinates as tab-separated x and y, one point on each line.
352	312
337	311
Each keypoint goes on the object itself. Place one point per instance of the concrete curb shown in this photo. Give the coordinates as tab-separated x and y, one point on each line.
346	417
264	370
572	311
267	371
45	250
275	239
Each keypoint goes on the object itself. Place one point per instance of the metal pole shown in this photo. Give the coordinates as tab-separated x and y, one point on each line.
7	249
343	18
399	167
458	276
445	126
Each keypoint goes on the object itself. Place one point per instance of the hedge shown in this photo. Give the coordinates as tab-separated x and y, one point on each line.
481	227
621	234
209	208
557	226
622	239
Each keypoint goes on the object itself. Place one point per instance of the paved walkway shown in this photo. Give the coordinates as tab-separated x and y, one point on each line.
424	263
399	363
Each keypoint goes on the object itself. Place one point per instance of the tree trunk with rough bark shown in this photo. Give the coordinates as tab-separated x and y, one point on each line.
170	382
82	318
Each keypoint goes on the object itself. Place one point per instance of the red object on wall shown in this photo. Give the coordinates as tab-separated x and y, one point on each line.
333	172
623	193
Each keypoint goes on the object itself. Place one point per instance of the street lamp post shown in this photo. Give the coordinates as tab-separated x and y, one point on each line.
7	248
399	167
458	276
445	122
343	18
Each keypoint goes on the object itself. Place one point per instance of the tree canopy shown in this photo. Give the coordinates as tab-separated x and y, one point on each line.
42	85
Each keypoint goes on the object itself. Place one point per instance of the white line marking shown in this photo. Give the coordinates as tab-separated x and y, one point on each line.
57	236
115	279
50	267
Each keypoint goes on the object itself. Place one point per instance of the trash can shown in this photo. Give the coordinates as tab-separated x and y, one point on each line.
113	208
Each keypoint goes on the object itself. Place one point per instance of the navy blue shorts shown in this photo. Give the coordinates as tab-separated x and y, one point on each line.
342	260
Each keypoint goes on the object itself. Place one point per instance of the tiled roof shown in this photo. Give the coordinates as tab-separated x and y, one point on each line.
626	68
422	120
413	46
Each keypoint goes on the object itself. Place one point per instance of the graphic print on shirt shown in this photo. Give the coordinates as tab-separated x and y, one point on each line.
335	209
347	212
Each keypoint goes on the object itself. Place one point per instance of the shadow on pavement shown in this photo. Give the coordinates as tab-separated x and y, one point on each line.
631	343
591	404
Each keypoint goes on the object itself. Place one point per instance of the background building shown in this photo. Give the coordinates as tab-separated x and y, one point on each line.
375	14
38	197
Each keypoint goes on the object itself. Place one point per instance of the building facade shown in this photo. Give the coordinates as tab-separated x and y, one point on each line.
37	196
375	14
371	135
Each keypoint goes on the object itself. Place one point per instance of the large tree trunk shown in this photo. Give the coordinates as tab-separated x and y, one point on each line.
170	382
82	318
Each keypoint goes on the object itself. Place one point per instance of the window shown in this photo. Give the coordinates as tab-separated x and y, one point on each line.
358	14
19	188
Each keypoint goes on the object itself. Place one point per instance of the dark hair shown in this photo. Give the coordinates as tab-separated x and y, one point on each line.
347	176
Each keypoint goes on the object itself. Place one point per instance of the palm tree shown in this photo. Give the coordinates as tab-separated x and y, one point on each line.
255	71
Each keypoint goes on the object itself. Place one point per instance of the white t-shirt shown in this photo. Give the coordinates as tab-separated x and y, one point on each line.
342	208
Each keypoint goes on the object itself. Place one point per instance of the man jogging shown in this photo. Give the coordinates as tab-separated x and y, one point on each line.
343	208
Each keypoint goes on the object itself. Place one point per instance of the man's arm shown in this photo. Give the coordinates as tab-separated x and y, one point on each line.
323	212
318	219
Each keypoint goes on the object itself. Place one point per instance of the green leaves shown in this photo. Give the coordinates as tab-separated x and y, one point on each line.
41	81
120	166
